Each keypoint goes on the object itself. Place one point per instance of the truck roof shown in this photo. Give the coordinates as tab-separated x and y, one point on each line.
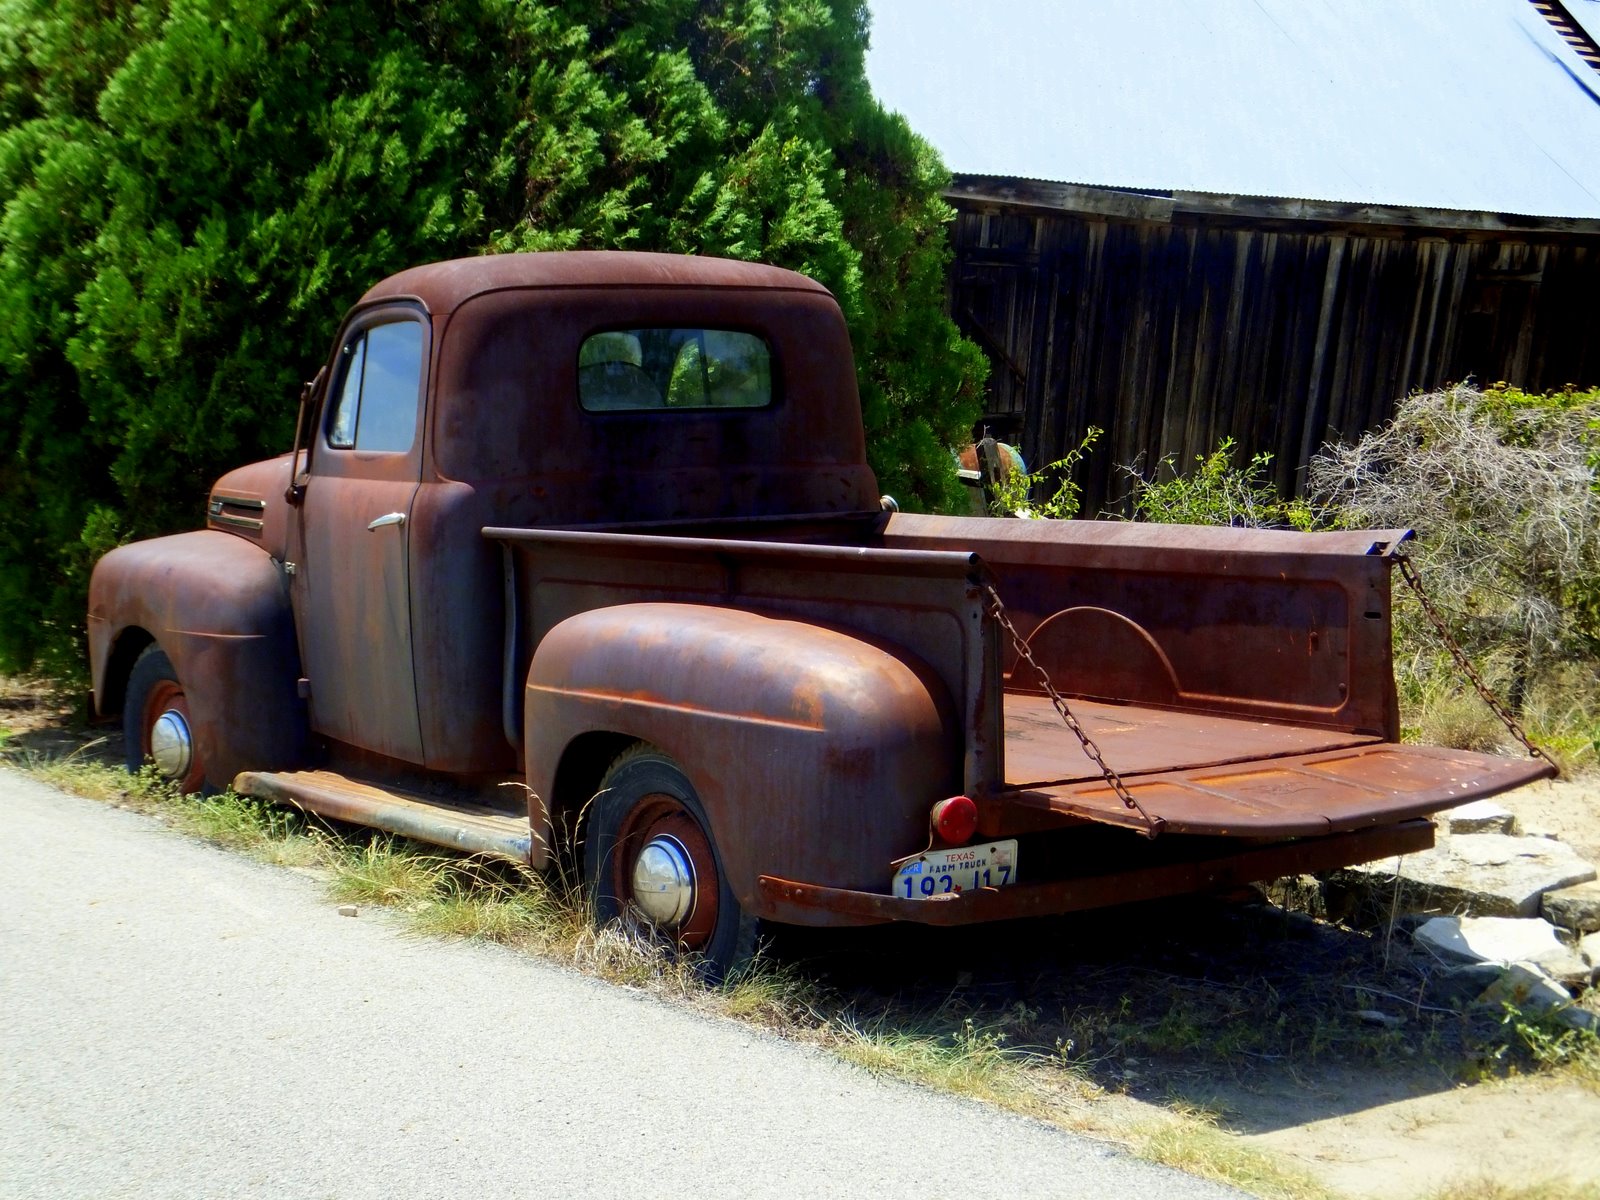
443	286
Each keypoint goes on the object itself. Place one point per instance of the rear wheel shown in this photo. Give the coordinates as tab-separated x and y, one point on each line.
649	855
156	724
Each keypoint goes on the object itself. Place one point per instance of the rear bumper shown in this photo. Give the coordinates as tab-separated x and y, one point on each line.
798	903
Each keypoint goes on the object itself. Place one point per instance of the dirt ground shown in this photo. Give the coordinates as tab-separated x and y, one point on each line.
1241	1011
1391	1133
1363	1137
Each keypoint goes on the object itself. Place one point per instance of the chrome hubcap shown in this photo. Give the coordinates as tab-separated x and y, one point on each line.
663	881
171	745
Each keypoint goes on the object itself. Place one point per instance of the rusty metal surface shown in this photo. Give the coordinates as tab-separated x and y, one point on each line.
353	609
906	564
473	830
217	604
933	612
444	286
803	903
1299	795
507	443
248	502
1137	739
1036	673
814	750
1274	625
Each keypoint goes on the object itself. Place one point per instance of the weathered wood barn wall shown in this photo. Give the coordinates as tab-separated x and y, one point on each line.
1174	321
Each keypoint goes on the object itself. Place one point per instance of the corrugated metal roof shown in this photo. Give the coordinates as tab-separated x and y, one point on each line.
1474	105
1169	207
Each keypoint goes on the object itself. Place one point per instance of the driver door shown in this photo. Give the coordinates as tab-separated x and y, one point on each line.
351	587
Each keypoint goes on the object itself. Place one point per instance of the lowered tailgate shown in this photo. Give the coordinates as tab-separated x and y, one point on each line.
1222	776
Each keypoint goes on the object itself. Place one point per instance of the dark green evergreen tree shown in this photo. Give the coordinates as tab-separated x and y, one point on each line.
192	192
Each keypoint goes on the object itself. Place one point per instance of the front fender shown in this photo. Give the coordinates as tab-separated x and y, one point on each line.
219	607
816	751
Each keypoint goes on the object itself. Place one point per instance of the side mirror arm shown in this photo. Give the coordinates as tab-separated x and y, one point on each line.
296	491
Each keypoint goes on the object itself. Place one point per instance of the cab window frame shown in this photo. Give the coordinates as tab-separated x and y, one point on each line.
355	343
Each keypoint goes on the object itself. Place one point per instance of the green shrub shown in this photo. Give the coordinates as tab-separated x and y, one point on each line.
1016	494
1217	493
193	191
1501	487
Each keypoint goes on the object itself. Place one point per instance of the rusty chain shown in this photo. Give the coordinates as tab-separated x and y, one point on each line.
997	609
1408	572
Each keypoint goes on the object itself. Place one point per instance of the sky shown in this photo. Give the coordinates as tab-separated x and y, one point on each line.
1465	104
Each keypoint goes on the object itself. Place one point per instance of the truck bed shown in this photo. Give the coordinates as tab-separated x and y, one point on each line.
1239	681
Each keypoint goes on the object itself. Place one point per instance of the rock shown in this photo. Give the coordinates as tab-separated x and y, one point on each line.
1574	1017
1482	874
1525	987
1480	816
1576	908
348	910
1372	1016
1589	950
1503	940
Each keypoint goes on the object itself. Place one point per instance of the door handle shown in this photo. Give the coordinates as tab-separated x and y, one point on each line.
394	518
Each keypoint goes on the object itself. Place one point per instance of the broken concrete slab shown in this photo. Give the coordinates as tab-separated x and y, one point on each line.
1575	908
1480	874
1480	816
1503	940
1525	987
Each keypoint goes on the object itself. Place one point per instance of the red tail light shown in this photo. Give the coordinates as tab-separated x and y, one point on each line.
955	820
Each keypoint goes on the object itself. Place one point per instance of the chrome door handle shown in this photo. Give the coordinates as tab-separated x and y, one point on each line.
395	518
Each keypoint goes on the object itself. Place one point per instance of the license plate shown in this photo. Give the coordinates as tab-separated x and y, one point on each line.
951	872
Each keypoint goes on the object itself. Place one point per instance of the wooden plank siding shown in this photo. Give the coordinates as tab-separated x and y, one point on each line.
1173	333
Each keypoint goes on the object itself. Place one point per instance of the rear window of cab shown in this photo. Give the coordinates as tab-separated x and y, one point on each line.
645	370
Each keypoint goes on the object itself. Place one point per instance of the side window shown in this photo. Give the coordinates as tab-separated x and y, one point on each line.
378	392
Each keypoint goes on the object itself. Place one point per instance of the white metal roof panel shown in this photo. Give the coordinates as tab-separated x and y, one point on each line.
1457	104
1587	14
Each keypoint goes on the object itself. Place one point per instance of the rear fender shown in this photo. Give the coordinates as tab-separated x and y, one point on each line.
816	752
219	607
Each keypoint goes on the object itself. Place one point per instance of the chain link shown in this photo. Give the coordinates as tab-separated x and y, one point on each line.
1152	825
1408	572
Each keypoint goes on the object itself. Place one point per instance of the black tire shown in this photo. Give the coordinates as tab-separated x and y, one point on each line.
154	690
646	796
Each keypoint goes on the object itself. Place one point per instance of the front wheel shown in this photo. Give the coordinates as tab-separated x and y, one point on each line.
648	854
156	724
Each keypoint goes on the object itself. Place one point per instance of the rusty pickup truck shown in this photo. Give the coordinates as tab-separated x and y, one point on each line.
580	554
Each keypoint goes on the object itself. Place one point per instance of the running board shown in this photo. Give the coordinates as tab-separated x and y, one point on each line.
470	829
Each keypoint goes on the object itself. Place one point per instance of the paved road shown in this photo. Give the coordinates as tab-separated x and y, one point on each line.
177	1021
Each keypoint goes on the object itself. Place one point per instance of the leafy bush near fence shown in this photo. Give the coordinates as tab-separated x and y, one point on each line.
1503	490
192	192
1217	492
